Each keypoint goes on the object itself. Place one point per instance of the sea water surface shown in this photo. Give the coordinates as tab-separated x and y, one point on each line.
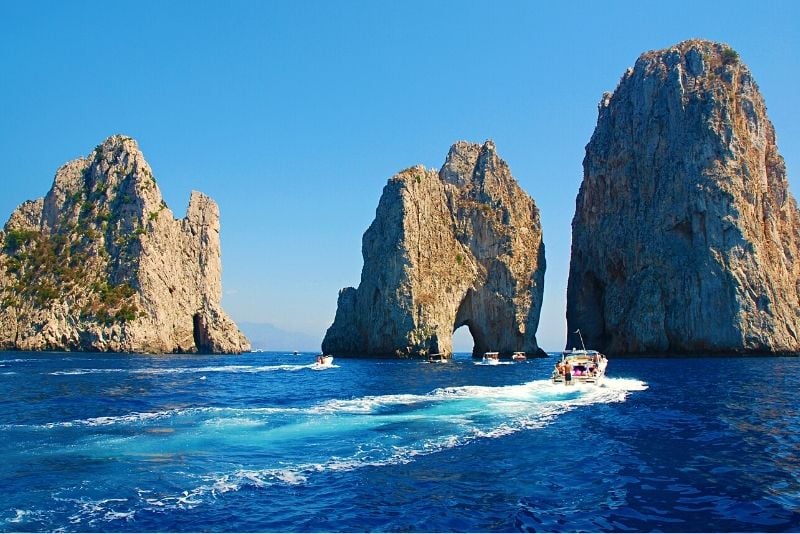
273	442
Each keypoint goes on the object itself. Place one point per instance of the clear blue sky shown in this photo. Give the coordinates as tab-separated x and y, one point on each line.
293	115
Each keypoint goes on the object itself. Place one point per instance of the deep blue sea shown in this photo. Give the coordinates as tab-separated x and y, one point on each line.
272	442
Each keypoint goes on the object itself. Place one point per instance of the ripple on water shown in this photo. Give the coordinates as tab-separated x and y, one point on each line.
262	445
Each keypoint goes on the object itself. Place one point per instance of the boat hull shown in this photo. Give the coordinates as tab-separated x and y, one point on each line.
595	381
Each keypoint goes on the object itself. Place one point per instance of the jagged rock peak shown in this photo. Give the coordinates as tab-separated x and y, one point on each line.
101	264
115	169
685	237
461	246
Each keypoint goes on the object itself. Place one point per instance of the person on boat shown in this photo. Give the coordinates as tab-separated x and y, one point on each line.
320	360
567	374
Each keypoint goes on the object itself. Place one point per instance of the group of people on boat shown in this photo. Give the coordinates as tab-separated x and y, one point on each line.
590	368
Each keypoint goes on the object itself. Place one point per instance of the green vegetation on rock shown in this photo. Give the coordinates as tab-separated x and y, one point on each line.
43	269
730	56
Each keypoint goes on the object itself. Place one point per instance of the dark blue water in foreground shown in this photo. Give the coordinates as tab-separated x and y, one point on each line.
270	442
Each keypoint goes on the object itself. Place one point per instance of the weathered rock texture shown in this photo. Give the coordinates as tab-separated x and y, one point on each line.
100	264
685	237
459	247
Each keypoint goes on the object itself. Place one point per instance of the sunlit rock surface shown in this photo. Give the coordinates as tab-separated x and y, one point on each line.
101	264
461	246
685	236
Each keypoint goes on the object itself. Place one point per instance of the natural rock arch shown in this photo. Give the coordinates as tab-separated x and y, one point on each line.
448	248
465	317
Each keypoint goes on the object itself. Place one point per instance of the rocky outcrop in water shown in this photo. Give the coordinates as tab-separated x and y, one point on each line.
100	264
685	236
462	246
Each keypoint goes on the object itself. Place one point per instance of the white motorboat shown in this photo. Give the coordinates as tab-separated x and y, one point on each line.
519	357
491	358
580	366
437	358
324	359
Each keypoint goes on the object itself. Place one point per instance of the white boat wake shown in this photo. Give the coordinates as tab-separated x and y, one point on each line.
287	445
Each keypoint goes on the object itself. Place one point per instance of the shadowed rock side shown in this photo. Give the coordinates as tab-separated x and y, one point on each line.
100	264
685	237
459	247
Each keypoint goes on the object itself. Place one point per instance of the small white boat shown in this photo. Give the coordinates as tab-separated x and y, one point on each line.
519	357
324	359
491	358
437	358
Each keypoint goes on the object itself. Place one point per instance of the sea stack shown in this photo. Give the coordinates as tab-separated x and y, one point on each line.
461	246
685	236
100	264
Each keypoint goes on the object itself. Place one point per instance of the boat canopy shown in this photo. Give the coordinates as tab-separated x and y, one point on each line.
580	352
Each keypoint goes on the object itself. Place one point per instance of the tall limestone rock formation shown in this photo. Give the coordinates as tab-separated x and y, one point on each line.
685	237
100	264
459	247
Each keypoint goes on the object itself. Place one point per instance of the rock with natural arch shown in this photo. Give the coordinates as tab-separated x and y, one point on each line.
461	246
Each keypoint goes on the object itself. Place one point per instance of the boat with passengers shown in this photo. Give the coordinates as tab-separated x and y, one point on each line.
490	358
324	360
580	366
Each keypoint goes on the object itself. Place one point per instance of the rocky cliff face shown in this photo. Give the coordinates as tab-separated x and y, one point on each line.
100	264
685	237
459	247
